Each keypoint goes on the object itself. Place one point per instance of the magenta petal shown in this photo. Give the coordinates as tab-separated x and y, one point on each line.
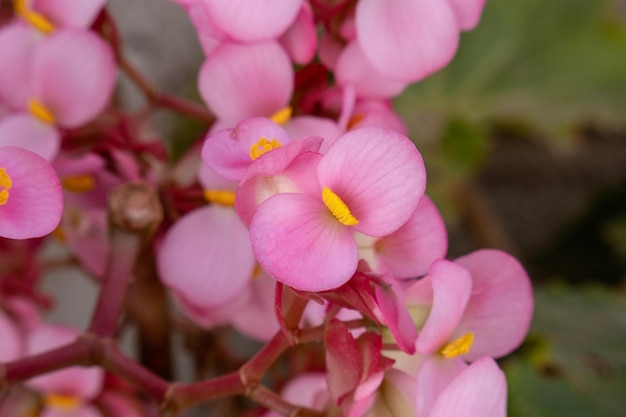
407	39
35	201
433	376
253	20
379	174
77	381
18	43
74	73
452	286
11	346
354	69
298	242
25	131
467	12
240	81
69	12
500	308
206	258
479	391
409	251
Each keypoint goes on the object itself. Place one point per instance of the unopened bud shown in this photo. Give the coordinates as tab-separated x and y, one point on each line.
135	207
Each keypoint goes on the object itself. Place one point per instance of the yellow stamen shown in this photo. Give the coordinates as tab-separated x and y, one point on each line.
41	112
63	402
35	19
222	197
339	209
79	183
5	184
459	346
355	119
283	115
262	146
59	234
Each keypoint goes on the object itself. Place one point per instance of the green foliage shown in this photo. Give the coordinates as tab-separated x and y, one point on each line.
574	362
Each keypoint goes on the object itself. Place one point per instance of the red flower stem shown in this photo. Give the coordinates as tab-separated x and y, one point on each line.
182	396
252	371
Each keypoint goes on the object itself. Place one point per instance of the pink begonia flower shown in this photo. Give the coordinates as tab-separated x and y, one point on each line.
11	346
304	126
409	251
31	202
329	50
300	39
407	39
467	12
25	131
238	81
370	180
252	20
67	390
476	390
46	15
377	113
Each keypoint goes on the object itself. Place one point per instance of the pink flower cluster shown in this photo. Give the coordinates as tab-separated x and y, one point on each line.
306	186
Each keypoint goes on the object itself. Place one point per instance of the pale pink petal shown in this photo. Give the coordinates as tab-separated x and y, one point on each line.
378	113
396	396
467	12
210	37
409	251
25	131
305	390
300	39
205	257
240	81
18	43
69	12
298	242
303	126
329	50
84	383
35	201
227	151
479	391
209	179
355	70
11	346
380	176
407	39
500	308
257	318
253	20
74	73
433	376
452	285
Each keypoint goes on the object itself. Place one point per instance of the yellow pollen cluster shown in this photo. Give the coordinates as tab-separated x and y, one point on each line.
79	183
221	197
282	116
338	208
33	18
5	185
262	146
41	112
63	402
459	346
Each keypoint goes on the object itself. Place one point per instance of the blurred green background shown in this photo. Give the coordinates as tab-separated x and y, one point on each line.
524	136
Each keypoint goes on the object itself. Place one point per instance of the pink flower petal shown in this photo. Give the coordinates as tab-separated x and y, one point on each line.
304	126
479	391
84	383
452	286
18	43
380	176
298	242
300	39
257	318
25	131
253	20
500	309
355	70
69	12
343	361
377	113
407	39
11	346
433	376
205	257
35	201
74	73
240	81
409	251
390	300
467	12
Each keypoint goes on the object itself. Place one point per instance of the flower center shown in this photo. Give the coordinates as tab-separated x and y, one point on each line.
221	197
459	346
33	18
339	209
262	146
40	111
63	402
79	183
282	116
5	185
